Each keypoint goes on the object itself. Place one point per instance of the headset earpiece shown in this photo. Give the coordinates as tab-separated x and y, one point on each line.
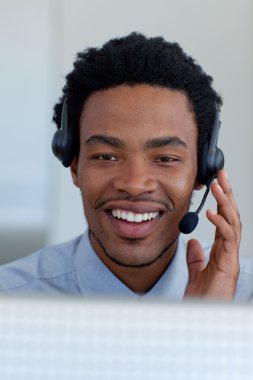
212	158
63	144
218	160
202	166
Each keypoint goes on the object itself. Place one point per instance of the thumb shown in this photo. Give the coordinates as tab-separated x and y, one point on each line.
195	259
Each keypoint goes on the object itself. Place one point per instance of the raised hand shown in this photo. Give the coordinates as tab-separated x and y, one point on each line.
217	278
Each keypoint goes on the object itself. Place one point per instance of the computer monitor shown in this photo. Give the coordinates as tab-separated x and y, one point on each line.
97	339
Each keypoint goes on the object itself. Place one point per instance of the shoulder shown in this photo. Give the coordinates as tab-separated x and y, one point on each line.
47	263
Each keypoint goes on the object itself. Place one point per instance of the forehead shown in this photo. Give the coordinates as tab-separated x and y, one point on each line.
142	111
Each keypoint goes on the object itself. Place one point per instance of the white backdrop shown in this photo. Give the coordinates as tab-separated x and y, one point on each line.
39	41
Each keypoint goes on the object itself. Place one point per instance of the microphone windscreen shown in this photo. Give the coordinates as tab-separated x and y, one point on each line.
188	223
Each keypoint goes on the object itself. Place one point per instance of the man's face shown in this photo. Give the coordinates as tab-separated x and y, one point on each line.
136	169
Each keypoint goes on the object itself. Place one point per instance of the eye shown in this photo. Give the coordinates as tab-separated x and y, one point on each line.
104	157
166	159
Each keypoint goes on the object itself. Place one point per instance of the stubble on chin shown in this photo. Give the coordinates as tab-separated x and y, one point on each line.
135	243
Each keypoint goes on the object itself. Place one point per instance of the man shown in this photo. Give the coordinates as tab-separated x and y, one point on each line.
138	113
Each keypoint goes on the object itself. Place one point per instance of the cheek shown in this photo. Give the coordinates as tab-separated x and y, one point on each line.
179	189
184	183
93	186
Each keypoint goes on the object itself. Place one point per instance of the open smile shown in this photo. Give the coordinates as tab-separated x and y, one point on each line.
130	216
132	225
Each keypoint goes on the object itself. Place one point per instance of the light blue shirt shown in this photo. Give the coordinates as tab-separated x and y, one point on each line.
75	268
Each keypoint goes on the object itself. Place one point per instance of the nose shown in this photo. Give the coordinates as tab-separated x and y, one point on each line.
135	178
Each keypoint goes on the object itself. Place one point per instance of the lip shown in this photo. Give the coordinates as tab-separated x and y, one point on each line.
137	207
132	230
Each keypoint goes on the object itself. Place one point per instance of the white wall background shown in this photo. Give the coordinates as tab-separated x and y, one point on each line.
39	41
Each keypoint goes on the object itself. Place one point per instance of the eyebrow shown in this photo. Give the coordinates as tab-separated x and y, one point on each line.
115	142
105	140
161	142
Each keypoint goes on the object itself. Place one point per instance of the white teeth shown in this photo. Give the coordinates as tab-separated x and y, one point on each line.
124	215
132	217
145	216
114	213
138	218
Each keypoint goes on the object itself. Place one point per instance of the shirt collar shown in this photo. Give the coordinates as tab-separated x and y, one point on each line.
94	278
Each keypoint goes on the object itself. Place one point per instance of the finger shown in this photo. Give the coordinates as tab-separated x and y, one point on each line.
195	259
225	250
225	209
224	205
225	231
223	181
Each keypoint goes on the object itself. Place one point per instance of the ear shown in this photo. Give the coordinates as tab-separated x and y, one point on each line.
74	171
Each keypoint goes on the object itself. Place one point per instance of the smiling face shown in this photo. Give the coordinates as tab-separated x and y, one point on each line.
136	171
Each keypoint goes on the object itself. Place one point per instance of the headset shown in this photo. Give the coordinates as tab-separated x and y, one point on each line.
212	158
210	162
63	143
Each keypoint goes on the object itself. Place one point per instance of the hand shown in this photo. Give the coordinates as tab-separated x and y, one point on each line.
217	278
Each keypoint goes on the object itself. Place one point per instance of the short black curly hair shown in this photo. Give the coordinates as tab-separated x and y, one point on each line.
136	59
